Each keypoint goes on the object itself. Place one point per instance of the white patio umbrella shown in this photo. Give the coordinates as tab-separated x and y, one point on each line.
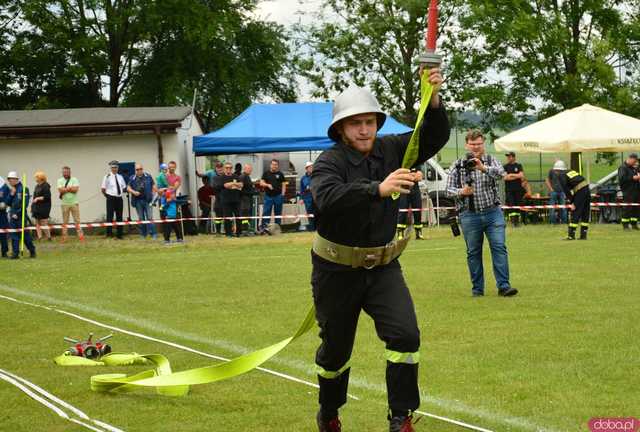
583	129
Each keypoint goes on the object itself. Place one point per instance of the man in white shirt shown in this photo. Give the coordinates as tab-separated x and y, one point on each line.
113	187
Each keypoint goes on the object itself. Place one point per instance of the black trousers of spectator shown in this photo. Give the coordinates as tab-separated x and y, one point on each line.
114	208
231	210
631	214
339	295
413	201
514	198
168	226
205	214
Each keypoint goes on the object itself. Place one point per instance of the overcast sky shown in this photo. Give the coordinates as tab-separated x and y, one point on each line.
285	11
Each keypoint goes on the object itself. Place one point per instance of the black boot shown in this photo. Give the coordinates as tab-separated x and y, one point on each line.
634	225
419	235
400	232
332	425
583	232
625	225
515	220
401	424
571	235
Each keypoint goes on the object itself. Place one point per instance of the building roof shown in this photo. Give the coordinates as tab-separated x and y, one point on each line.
87	120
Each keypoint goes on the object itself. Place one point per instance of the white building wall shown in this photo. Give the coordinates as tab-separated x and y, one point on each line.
88	158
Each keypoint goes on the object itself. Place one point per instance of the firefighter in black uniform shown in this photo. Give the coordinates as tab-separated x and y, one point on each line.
246	201
354	256
629	181
576	189
229	188
514	192
414	201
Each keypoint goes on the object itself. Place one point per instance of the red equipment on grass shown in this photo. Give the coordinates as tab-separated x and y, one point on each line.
88	348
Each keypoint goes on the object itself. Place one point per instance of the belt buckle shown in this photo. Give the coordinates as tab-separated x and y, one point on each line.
369	261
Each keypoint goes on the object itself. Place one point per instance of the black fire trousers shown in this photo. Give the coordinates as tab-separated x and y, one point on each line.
382	293
413	201
114	208
582	213
231	210
514	198
631	214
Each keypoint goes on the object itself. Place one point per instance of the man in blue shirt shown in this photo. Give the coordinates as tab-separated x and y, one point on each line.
305	194
17	193
4	219
142	187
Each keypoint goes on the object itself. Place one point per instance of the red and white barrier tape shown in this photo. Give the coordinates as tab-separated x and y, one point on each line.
297	216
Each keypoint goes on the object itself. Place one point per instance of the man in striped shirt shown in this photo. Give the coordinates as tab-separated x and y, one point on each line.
473	182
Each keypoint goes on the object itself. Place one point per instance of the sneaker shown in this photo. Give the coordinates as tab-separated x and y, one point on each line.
81	237
508	292
180	241
401	424
32	254
477	294
332	425
167	242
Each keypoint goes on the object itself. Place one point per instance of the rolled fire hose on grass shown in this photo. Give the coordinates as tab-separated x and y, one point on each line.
170	383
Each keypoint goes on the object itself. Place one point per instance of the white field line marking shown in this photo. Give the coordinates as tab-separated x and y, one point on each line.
355	381
150	338
32	391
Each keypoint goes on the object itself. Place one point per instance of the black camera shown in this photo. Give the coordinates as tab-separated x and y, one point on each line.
455	228
469	163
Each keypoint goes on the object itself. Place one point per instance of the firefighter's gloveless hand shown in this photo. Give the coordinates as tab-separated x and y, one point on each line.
401	181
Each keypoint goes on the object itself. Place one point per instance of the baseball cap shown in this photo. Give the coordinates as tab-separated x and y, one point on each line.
13	174
510	154
308	164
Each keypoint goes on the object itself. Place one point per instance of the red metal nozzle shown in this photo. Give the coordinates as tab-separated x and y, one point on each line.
432	26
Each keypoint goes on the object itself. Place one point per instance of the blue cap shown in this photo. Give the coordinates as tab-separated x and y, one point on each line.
164	166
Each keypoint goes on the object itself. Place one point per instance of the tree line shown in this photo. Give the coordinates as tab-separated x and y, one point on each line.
509	60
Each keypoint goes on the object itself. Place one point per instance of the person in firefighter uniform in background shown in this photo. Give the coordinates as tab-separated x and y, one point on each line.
17	193
576	189
354	257
4	217
414	201
629	181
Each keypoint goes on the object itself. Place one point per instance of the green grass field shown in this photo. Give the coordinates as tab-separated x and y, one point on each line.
563	351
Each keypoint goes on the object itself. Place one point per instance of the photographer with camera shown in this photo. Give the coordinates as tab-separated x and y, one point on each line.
142	188
473	182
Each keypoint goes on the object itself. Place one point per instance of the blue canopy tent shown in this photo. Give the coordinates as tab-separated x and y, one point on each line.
272	128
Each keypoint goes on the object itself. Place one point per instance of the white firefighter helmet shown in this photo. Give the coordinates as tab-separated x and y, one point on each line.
353	101
559	165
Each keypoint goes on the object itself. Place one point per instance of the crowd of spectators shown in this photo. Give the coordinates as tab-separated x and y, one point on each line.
227	199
